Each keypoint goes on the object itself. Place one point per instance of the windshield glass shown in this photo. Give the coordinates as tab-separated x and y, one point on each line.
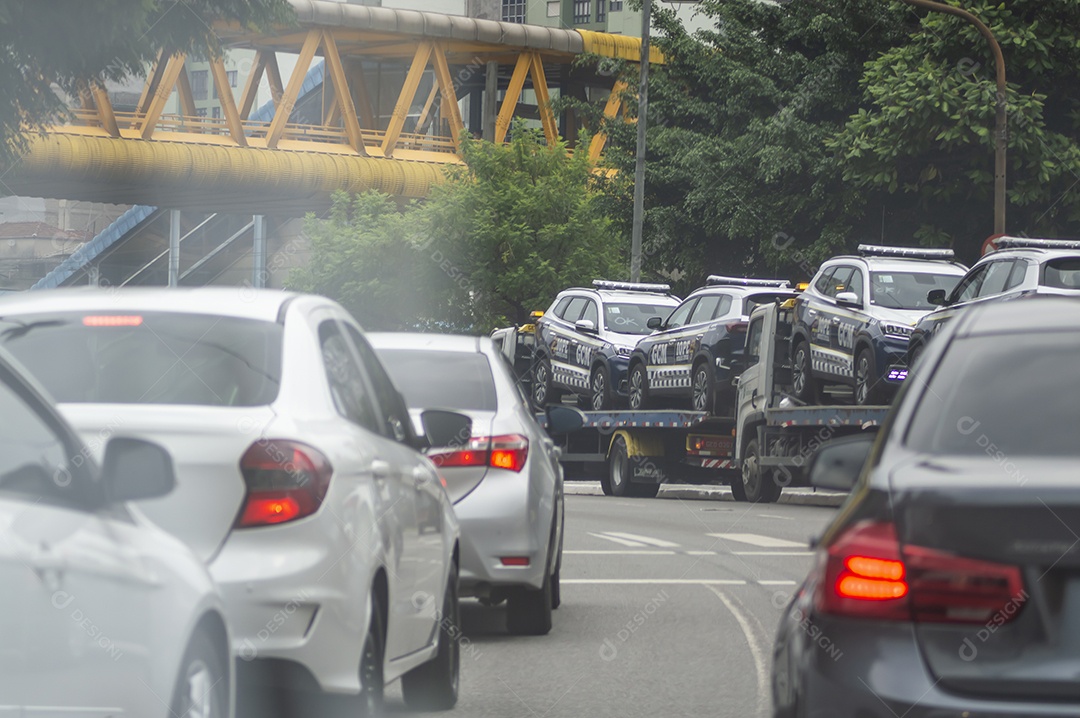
627	318
908	290
1062	273
149	358
974	406
463	380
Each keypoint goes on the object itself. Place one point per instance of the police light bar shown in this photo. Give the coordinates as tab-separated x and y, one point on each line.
875	250
716	280
1025	243
632	286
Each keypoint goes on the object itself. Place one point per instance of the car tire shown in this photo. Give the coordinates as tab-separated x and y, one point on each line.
619	467
868	385
434	685
637	384
372	655
543	392
528	610
202	686
703	388
804	386
556	584
600	394
759	485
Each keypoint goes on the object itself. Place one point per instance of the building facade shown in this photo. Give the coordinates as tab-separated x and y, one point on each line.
614	16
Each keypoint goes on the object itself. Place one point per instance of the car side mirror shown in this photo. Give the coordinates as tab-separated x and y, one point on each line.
850	299
134	470
563	419
837	464
585	325
655	323
936	297
446	428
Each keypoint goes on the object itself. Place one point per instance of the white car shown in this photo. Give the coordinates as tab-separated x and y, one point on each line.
299	476
505	478
101	613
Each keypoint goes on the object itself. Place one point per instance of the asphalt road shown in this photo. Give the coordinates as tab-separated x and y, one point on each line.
660	617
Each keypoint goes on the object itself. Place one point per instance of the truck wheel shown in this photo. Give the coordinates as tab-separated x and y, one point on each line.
759	485
619	468
704	388
867	382
644	491
802	375
737	491
600	397
638	387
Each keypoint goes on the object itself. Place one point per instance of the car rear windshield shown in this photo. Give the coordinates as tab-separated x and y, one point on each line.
1062	273
628	318
1003	396
441	379
908	290
149	358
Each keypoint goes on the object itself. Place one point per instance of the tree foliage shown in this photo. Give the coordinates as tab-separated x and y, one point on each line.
72	42
509	229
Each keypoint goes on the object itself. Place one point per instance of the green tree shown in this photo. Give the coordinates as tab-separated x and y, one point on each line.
739	178
925	132
72	42
509	229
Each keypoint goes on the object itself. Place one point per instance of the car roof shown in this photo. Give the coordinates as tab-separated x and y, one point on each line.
241	302
622	295
427	341
899	264
1042	253
739	289
1031	314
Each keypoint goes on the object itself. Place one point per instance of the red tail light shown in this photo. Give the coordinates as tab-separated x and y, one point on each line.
286	480
867	574
737	326
508	451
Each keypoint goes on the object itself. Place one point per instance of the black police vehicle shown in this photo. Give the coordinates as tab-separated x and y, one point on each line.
584	340
690	358
853	322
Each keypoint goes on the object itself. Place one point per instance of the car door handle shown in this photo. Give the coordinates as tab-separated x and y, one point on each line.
380	470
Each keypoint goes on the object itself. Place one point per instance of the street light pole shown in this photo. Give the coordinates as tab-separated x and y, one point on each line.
639	171
1000	131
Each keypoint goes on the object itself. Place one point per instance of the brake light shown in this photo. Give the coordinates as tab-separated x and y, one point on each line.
286	480
737	326
112	320
508	451
867	574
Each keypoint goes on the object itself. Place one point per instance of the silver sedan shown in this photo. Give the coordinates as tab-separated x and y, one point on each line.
505	479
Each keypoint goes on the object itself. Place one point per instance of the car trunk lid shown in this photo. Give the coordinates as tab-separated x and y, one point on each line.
461	480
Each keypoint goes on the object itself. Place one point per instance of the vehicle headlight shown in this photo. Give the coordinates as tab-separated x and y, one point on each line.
624	351
896	330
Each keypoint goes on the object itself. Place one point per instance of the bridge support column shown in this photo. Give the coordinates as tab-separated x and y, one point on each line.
174	247
258	254
491	100
93	275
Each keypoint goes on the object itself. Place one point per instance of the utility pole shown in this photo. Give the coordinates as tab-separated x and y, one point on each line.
639	171
1001	129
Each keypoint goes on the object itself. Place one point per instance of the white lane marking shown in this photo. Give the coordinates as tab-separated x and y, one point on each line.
757	651
701	553
658	581
647	540
777	583
618	552
624	542
774	516
772	553
759	540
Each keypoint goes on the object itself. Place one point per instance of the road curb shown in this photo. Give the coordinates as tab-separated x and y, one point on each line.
795	497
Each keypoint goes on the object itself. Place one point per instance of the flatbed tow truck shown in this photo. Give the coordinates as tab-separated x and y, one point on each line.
759	451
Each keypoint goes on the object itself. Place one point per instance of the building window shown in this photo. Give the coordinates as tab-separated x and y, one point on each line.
582	12
215	112
554	9
199	83
201	111
232	74
514	10
601	10
616	5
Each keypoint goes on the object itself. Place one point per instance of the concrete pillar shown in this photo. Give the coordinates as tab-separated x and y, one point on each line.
174	247
491	100
258	256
